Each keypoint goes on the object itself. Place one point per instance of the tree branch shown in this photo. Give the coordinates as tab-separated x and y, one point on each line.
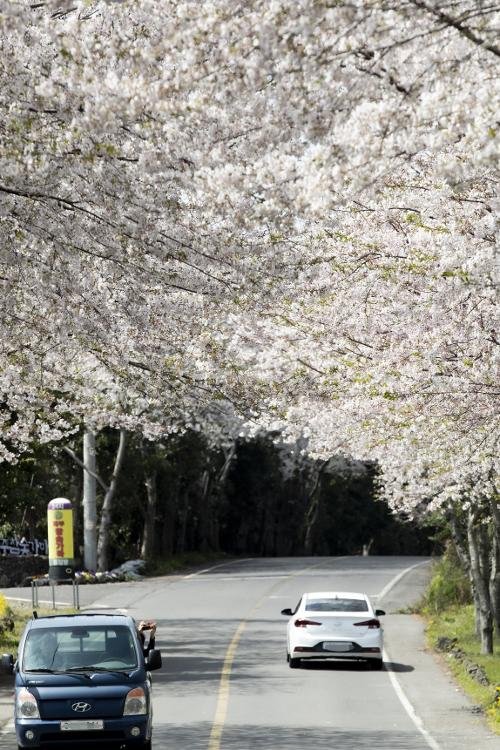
80	463
458	25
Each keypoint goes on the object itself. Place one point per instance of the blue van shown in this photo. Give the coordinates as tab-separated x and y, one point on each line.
83	679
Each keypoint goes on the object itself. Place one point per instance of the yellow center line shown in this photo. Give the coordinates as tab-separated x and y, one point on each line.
223	697
224	684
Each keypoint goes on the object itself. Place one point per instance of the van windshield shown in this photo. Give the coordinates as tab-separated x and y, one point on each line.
59	649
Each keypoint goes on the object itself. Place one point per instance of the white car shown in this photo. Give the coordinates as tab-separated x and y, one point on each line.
334	625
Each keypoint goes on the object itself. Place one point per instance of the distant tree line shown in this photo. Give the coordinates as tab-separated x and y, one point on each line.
254	496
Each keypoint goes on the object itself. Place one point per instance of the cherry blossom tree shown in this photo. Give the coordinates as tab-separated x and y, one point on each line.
290	207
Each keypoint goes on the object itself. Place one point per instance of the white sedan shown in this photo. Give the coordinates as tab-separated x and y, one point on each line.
334	625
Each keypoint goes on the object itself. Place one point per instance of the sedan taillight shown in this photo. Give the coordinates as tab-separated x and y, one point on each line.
369	623
305	623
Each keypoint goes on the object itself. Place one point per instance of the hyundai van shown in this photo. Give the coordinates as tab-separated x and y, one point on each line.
82	679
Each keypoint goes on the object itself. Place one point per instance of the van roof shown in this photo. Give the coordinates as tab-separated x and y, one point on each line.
81	620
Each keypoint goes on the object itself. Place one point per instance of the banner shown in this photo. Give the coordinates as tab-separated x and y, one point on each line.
60	532
23	547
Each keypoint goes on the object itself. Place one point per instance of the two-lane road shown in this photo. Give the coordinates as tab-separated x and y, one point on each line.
226	685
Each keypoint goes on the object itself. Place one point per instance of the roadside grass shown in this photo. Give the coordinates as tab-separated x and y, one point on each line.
449	613
14	618
459	623
3	606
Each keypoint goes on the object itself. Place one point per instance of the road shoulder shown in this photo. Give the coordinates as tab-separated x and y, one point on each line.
444	710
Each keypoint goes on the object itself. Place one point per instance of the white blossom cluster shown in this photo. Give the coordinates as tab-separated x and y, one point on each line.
287	206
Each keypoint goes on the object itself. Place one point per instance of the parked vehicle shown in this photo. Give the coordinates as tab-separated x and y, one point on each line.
334	625
83	678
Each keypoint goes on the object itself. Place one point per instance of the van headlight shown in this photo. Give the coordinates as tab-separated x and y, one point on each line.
135	703
26	705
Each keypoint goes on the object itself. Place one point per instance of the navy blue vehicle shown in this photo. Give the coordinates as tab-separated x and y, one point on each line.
83	679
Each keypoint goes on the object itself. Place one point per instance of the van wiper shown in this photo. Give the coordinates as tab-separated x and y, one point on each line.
42	670
90	668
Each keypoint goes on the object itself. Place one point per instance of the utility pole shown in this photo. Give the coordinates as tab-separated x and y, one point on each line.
89	501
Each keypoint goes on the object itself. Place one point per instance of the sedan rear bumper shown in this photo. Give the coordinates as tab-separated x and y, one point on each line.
339	650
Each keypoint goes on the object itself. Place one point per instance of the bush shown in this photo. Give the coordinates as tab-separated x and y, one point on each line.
449	585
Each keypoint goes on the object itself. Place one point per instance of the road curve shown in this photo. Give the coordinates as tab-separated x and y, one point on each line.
226	685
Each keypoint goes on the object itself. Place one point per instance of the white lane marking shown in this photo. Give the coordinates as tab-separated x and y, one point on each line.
40	601
409	708
219	565
87	609
221	708
219	579
431	742
397	578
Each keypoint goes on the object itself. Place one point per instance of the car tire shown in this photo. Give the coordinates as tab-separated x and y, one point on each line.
293	663
376	664
146	745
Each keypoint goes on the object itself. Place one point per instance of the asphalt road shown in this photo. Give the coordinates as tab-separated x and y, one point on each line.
226	685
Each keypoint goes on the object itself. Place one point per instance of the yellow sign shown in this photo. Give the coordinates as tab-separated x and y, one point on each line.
60	532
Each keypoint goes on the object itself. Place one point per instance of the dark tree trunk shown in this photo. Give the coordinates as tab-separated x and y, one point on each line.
148	548
183	520
495	562
313	509
105	524
479	549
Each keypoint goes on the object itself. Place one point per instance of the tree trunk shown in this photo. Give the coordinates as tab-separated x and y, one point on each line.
148	547
105	525
183	518
312	513
90	478
212	487
495	563
89	502
169	505
477	534
495	582
461	544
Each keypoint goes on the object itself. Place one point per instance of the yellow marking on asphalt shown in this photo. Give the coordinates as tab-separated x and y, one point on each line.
223	698
223	695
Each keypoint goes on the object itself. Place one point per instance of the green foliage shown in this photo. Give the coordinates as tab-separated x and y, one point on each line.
17	617
27	487
449	585
250	499
458	622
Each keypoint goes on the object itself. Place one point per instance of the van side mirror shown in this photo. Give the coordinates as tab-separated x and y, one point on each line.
379	612
287	612
7	664
154	659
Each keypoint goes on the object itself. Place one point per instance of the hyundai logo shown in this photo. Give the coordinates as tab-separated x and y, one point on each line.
80	707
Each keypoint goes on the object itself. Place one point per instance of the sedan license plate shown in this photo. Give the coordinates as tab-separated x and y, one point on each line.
82	725
332	646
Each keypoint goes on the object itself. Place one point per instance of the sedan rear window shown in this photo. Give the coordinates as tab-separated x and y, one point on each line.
336	605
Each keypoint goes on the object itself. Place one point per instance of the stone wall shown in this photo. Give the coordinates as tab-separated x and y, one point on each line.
15	571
